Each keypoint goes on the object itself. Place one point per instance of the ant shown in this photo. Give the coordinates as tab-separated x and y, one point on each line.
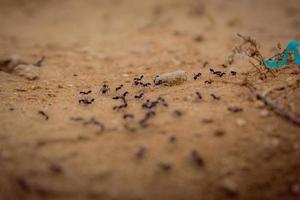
86	101
234	109
172	139
215	97
104	89
199	95
233	73
197	75
139	96
147	116
119	87
43	114
86	93
209	81
165	166
94	122
197	158
126	116
224	65
178	113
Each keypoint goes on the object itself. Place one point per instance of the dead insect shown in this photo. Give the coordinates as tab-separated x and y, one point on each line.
119	87
233	73
199	95
43	114
126	116
197	158
139	96
234	109
85	93
165	166
86	101
104	89
215	97
209	81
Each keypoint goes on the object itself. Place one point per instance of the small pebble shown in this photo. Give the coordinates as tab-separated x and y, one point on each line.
171	78
264	113
241	122
230	187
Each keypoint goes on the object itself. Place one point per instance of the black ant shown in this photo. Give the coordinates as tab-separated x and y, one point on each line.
165	166
147	116
215	97
119	87
224	65
178	113
197	158
126	116
139	79
233	73
234	109
139	96
86	101
94	122
104	89
197	75
172	139
40	62
209	81
86	93
199	95
43	114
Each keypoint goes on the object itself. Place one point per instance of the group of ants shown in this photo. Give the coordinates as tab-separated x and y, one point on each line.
148	105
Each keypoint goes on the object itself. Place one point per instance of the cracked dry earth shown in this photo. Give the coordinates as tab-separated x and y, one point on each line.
227	145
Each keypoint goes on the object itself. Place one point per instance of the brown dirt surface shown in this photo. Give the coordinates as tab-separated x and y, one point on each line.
53	147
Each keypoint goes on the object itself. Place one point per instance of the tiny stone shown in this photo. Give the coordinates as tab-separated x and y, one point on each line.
171	78
259	104
30	72
230	187
264	113
241	122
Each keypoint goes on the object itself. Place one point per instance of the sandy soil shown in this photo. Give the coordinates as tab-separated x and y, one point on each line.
192	148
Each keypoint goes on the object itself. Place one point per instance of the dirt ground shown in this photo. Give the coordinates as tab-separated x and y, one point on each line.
53	147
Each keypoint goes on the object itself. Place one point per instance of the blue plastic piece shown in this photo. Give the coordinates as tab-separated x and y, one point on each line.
291	49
